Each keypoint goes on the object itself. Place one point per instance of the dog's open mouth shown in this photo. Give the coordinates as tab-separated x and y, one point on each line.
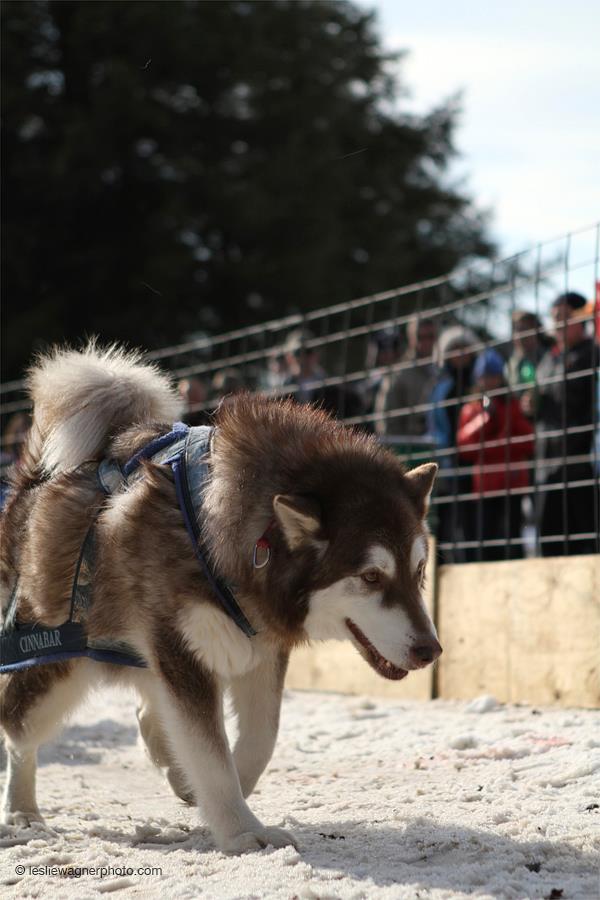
378	662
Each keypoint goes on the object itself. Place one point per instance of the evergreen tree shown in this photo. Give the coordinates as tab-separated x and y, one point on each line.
179	165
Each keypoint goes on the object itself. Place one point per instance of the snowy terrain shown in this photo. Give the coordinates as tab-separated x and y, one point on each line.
388	799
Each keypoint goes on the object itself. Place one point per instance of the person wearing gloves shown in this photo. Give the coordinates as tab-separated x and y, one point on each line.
497	438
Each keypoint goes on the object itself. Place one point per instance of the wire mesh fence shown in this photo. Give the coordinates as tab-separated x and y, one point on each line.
481	370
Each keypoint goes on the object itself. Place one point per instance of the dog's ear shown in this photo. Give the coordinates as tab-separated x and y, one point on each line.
421	484
299	518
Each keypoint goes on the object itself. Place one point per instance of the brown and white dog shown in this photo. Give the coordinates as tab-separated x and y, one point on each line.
348	542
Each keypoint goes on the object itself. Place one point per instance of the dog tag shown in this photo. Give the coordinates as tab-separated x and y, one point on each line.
262	553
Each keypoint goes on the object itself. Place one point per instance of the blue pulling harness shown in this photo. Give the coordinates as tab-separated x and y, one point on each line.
186	451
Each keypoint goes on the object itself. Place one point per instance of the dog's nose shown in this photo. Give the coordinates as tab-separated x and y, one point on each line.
425	653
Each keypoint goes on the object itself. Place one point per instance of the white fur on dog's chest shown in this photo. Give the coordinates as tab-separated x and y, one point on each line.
217	641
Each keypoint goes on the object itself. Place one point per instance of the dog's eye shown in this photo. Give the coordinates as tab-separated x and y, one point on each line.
371	577
421	572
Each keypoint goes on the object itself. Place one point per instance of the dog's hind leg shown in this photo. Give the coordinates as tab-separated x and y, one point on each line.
157	746
191	709
19	805
33	704
257	700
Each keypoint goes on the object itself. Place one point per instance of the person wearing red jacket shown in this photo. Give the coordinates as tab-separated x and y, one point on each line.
496	437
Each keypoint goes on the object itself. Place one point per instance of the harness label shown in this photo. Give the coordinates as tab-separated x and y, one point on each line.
31	641
41	641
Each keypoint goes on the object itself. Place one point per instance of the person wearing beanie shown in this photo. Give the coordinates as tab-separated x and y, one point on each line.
563	403
497	439
488	364
456	355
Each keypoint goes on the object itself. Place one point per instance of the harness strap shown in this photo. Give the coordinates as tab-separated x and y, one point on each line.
219	586
72	651
81	593
23	646
109	475
150	451
185	450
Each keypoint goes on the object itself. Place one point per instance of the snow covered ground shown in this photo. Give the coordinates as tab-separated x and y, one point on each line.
387	799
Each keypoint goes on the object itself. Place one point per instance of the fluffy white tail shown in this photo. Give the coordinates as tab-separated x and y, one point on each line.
80	399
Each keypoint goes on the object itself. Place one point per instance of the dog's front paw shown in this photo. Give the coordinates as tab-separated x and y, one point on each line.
258	839
22	819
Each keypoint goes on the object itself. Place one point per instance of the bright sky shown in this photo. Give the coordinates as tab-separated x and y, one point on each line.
529	72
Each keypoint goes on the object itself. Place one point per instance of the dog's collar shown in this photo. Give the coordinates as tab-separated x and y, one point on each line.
187	451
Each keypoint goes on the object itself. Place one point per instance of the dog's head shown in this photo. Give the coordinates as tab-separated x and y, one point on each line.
356	556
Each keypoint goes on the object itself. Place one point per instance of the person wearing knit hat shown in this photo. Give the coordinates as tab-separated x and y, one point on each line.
488	364
455	356
456	352
497	439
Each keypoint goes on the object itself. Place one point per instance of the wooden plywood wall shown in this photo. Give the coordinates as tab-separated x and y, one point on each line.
525	630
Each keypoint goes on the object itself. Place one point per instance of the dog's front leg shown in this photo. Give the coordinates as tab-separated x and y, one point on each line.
191	709
257	701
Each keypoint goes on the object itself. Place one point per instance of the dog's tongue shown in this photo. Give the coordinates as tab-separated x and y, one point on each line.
378	662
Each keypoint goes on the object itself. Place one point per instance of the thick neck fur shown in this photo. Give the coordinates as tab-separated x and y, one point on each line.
263	448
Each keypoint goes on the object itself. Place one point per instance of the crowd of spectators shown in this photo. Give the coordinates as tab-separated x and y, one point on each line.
515	432
514	435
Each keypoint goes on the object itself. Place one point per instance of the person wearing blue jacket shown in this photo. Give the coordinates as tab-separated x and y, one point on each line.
457	347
